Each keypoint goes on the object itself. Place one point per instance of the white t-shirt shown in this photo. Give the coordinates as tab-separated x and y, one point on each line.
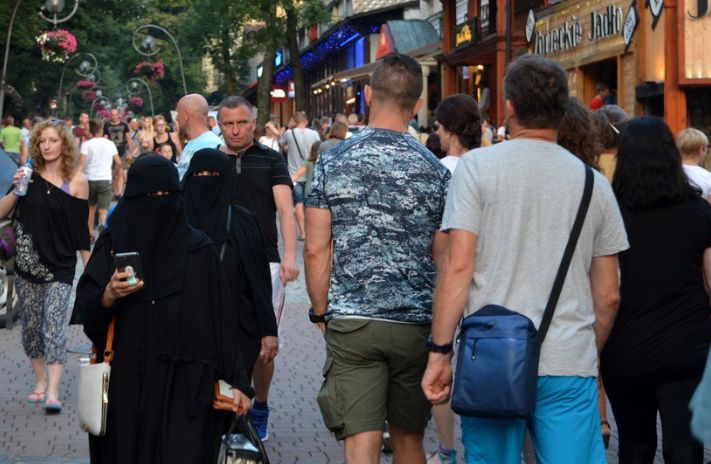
99	154
299	141
700	177
450	162
520	198
270	143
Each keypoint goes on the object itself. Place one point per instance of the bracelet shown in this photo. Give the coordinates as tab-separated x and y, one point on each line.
447	348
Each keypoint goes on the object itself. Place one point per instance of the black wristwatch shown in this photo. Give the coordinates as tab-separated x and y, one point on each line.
443	349
316	318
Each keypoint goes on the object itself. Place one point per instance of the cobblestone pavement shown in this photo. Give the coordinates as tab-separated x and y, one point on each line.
297	434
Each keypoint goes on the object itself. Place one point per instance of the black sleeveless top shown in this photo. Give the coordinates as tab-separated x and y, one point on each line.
157	145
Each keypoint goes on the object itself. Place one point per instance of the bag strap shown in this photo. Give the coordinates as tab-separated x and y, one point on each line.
567	256
109	350
293	134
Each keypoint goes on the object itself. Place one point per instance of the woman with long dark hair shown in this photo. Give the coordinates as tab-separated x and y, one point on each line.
655	356
459	127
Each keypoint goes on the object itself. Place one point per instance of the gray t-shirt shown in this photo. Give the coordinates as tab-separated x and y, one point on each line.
298	139
520	198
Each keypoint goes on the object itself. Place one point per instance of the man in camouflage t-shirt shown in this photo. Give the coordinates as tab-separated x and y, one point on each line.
379	198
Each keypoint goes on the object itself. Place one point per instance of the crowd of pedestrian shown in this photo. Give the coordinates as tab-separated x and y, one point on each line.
405	242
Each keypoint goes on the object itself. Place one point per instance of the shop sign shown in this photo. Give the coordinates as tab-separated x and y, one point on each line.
579	26
278	94
530	26
695	56
656	7
630	26
466	33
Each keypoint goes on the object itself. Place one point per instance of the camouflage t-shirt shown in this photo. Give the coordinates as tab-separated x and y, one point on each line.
386	193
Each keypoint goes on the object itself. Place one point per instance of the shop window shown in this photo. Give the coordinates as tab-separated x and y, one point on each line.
699	106
360	52
592	74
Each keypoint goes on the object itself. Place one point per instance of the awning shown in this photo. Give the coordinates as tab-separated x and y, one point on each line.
415	38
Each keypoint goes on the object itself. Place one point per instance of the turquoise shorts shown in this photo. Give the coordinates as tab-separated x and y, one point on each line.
565	428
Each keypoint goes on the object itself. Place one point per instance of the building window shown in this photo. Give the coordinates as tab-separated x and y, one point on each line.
461	10
484	15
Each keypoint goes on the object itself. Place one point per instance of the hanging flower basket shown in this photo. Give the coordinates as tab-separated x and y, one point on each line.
150	70
136	102
104	113
86	84
56	46
88	95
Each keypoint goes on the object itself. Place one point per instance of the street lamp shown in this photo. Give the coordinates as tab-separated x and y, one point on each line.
149	48
105	102
54	7
134	85
86	68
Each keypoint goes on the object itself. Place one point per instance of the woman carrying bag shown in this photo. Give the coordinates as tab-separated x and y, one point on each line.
174	327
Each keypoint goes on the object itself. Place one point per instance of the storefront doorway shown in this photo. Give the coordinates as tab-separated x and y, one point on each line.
601	71
474	80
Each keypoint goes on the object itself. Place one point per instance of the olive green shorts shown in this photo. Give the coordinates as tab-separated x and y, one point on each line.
372	374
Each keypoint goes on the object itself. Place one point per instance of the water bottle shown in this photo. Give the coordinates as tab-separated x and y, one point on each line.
24	182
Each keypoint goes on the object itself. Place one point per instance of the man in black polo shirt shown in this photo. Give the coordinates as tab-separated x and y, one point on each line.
263	186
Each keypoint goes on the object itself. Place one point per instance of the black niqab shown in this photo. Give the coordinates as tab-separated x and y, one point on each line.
208	198
153	226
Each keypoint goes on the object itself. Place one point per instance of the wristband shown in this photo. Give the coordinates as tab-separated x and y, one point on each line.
316	318
443	349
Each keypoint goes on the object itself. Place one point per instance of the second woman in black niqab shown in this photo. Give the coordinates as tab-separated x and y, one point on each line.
208	186
174	337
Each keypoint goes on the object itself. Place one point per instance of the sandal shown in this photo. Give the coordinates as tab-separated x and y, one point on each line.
53	406
37	396
605	426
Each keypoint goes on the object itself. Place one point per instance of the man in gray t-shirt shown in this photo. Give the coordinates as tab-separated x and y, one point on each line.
298	141
512	206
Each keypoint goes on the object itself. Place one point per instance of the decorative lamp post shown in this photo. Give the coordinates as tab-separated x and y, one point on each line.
134	86
149	48
85	69
54	7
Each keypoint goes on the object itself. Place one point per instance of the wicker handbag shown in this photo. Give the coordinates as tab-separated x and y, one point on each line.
94	389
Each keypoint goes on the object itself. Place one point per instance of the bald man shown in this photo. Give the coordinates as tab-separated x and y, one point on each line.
192	118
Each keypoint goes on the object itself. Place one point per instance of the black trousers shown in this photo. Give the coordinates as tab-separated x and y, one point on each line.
635	401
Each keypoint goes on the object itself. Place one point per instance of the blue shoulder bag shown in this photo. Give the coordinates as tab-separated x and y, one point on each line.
497	365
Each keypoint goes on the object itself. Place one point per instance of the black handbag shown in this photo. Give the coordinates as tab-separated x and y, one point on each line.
497	364
242	445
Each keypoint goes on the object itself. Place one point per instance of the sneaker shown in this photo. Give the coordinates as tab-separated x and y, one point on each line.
260	420
437	457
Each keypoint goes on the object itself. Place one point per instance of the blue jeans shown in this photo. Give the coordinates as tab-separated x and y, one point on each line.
565	427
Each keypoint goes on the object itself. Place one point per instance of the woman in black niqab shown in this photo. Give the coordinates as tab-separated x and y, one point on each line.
208	188
174	335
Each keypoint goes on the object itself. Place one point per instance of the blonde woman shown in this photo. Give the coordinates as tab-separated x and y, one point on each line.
693	146
145	137
51	228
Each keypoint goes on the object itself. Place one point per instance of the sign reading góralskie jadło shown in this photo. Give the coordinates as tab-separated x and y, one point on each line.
582	24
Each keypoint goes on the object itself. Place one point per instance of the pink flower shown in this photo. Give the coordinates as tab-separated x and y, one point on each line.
153	71
85	84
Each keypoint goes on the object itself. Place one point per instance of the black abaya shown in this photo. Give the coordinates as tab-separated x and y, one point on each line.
174	338
208	206
160	406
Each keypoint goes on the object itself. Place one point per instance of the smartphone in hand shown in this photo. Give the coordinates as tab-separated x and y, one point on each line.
130	262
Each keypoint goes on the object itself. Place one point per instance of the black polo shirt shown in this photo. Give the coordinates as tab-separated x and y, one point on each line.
261	168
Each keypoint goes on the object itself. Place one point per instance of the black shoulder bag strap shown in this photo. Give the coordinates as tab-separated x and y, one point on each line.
567	256
293	134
